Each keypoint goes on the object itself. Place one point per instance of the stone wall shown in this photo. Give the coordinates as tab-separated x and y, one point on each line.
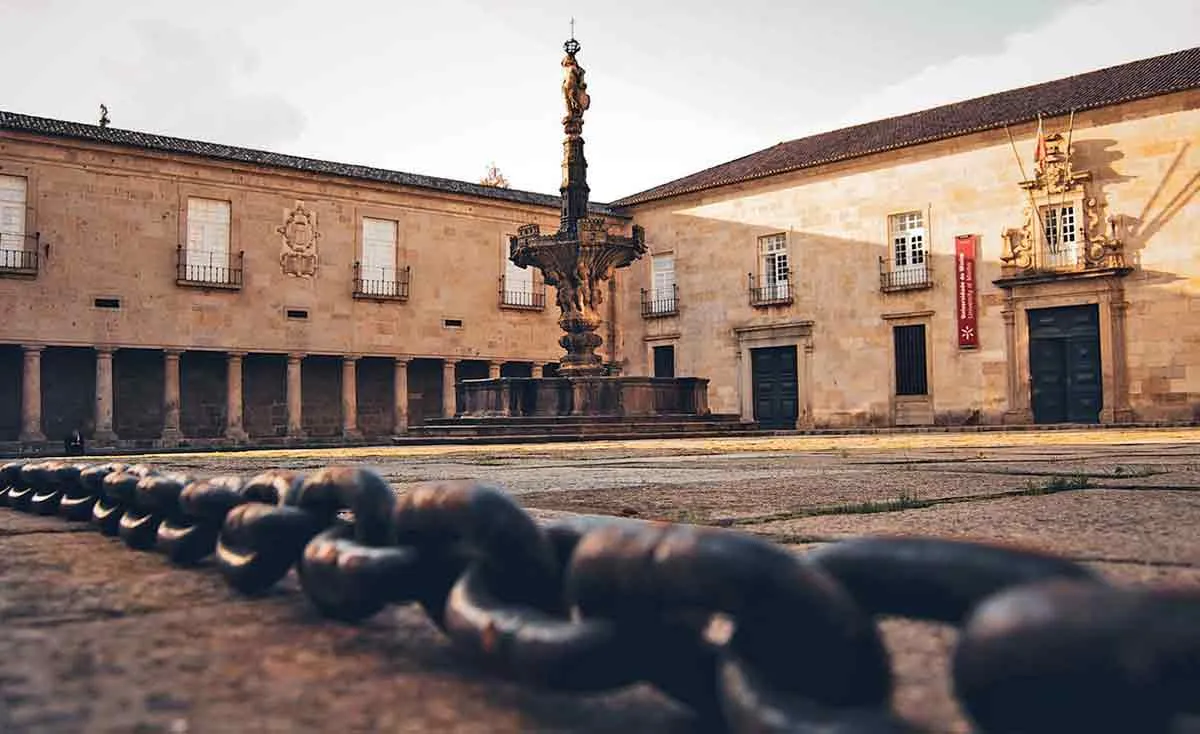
11	361
321	394
424	390
138	394
264	395
203	397
376	396
68	391
516	369
1143	160
113	218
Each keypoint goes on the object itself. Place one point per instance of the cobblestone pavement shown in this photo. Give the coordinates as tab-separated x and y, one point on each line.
97	638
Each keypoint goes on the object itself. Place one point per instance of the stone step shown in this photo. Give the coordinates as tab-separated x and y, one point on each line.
568	428
583	420
418	439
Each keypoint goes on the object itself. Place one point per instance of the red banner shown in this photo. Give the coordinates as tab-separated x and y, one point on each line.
967	296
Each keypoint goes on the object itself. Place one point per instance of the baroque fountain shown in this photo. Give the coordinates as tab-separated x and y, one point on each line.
578	260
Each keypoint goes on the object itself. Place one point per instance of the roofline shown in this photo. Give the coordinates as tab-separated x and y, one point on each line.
626	202
53	128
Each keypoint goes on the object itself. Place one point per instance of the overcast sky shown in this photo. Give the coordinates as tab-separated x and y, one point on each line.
444	87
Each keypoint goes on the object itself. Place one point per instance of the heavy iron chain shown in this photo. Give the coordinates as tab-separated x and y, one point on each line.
746	633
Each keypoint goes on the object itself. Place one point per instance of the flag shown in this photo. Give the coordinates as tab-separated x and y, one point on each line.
1039	152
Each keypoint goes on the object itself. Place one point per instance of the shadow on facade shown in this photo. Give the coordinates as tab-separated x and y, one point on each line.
836	285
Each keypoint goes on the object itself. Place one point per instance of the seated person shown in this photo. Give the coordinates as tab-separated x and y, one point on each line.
73	444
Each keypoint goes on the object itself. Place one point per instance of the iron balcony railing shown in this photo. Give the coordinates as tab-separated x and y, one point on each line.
532	298
893	277
18	254
202	269
657	303
381	283
770	293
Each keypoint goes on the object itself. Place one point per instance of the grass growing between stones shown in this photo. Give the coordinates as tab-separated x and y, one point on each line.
1056	484
906	500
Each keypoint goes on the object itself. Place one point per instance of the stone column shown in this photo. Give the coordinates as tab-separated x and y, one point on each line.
400	397
350	398
494	370
31	394
1122	413
295	424
449	395
234	428
1016	406
171	433
104	396
536	370
806	419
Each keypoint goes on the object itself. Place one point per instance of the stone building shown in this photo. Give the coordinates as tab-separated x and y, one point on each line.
908	271
154	290
926	269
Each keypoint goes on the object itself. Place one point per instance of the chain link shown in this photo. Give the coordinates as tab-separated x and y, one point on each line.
746	633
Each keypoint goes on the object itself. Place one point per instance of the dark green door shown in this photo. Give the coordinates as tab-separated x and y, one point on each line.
1064	364
773	374
664	361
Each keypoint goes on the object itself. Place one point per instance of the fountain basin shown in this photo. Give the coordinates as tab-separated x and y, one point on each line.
583	396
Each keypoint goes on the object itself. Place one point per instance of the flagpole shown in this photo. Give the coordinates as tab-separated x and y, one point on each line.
1021	166
1063	201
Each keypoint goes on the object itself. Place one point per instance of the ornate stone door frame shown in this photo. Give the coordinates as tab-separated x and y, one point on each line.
1105	291
903	406
791	333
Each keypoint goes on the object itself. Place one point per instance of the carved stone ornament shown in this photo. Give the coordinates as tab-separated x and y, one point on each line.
298	256
1057	184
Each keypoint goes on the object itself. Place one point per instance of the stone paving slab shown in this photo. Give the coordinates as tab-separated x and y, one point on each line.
95	637
712	502
1099	524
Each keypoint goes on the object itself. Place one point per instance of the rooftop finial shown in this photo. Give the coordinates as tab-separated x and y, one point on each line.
103	115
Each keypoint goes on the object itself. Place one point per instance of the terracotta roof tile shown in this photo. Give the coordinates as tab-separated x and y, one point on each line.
147	141
1173	72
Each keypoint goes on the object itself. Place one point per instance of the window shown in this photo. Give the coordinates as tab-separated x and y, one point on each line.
908	241
377	271
909	343
518	287
774	272
1062	244
206	254
663	268
908	267
13	253
662	298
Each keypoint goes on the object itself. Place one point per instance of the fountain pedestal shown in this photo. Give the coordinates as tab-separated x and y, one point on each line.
577	260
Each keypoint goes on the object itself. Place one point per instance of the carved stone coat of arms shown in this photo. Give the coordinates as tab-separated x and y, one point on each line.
298	256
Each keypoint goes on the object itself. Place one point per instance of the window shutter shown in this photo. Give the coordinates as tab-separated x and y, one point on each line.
663	267
12	212
516	280
379	250
208	233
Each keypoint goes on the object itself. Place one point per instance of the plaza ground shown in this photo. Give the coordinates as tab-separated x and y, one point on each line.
99	638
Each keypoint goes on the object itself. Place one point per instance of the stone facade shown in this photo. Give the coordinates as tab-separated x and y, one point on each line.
113	335
1143	161
106	328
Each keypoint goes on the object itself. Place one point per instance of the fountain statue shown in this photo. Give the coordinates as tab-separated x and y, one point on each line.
582	254
576	260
